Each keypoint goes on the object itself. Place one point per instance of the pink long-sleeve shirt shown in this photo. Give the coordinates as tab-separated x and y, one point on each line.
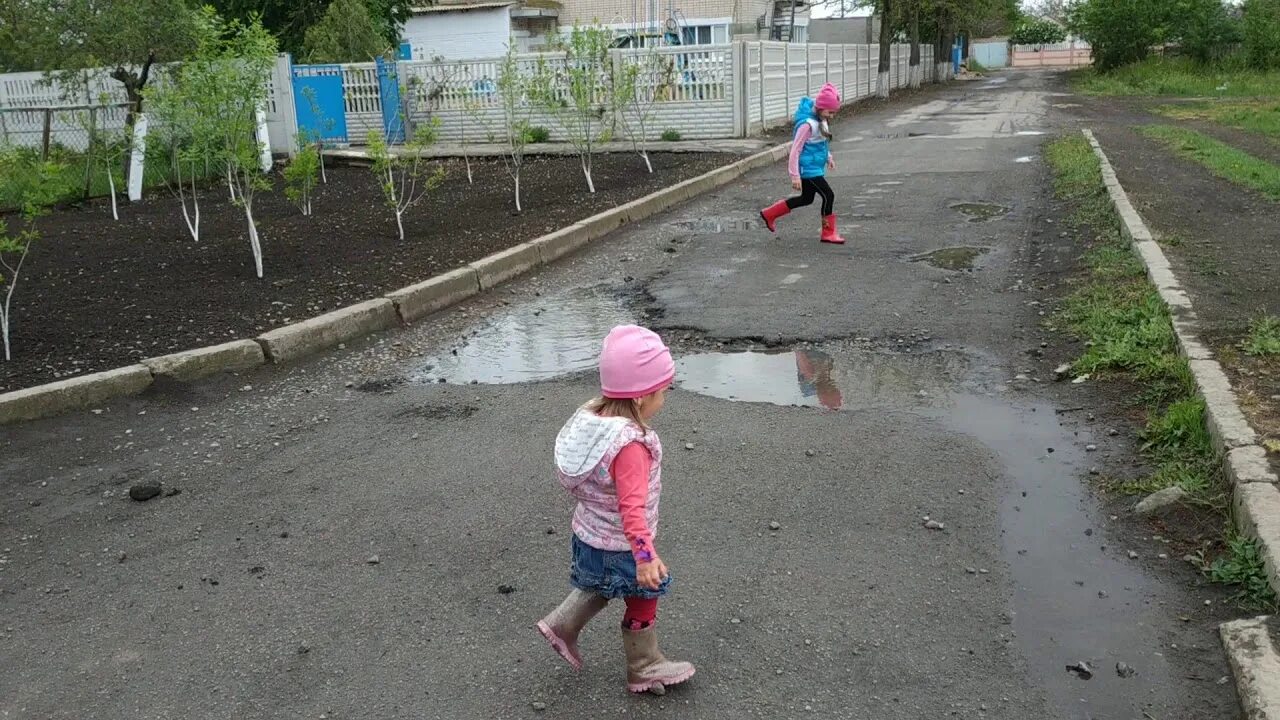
630	473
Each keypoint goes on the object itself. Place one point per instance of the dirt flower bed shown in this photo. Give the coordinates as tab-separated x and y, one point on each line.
96	294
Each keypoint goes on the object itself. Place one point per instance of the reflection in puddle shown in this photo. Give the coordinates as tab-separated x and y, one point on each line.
981	212
534	341
952	258
1071	600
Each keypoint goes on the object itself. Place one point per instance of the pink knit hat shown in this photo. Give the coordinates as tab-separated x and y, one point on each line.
634	363
828	98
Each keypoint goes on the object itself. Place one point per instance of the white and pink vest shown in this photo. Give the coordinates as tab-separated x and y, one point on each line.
585	450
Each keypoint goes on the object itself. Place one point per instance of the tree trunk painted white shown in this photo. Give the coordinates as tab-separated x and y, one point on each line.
324	178
11	282
517	178
264	139
915	77
136	158
882	85
467	157
645	154
254	243
586	170
400	222
231	184
111	183
941	70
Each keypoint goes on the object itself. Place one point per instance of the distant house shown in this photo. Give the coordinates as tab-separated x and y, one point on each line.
469	29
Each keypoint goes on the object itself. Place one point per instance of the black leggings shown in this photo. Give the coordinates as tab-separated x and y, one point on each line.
814	186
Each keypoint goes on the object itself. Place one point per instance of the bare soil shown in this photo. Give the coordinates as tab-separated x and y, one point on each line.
96	294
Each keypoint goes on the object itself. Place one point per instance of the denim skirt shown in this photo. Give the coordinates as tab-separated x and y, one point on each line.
607	573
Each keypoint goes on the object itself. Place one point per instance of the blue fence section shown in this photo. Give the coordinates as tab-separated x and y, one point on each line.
389	88
317	95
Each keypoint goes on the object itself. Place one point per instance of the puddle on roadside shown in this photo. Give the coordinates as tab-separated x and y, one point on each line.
719	225
553	336
1071	600
952	258
981	212
1024	159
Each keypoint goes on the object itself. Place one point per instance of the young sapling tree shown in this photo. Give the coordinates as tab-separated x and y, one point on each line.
300	176
575	92
513	92
36	185
643	80
403	175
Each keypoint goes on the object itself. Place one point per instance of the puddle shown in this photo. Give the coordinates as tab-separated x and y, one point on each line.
554	336
719	225
1028	133
1071	600
952	258
981	212
898	136
1024	159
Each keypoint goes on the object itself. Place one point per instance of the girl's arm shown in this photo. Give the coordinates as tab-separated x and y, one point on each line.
802	137
631	479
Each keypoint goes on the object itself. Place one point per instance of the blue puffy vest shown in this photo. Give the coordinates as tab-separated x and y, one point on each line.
814	154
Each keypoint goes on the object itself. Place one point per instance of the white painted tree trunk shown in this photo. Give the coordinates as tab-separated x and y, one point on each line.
254	242
915	76
586	170
6	313
231	185
645	154
517	179
324	178
400	222
941	71
111	182
882	85
470	179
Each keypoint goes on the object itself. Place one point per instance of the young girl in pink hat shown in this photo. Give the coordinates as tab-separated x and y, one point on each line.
610	461
810	159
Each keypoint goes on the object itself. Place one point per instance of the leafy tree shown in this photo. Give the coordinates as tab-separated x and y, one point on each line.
36	184
27	42
1262	33
1120	31
645	77
403	176
184	140
225	85
1033	31
300	176
289	20
346	33
1203	28
513	93
575	92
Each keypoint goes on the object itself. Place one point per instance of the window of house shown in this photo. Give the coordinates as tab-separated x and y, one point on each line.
720	34
697	35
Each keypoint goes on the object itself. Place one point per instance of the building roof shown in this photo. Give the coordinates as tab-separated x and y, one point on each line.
446	6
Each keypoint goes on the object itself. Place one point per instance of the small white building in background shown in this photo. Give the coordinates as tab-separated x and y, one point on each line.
458	31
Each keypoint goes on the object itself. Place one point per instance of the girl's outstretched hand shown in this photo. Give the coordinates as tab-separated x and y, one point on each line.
795	183
651	574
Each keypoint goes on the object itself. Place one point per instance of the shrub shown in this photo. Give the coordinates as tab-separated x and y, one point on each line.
539	134
1037	32
1262	33
1120	31
671	136
1204	29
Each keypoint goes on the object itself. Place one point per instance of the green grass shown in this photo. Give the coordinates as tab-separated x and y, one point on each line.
1264	336
1256	116
1242	565
1179	77
1128	333
977	67
1220	158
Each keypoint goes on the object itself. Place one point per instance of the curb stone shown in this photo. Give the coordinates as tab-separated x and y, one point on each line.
298	340
1256	666
1256	499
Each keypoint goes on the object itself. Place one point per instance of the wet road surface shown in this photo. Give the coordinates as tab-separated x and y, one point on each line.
872	508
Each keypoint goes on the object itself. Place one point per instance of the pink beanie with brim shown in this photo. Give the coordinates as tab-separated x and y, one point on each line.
634	363
828	98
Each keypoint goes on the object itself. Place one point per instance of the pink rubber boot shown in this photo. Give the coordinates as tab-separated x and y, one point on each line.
647	669
773	213
562	625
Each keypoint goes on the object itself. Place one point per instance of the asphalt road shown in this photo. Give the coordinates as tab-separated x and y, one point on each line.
343	527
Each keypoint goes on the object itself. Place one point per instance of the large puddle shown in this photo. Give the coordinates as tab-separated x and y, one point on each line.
1072	602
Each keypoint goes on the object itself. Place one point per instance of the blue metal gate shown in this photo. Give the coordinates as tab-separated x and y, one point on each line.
320	104
389	89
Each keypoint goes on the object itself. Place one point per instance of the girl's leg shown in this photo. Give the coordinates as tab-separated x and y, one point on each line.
640	614
807	191
828	195
562	626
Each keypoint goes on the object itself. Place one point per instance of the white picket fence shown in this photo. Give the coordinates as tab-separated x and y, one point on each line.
702	92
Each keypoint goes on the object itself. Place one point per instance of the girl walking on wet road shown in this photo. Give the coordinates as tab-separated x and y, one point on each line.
810	159
610	461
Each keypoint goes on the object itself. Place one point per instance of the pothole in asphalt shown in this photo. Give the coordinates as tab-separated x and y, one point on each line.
553	336
719	225
981	212
952	258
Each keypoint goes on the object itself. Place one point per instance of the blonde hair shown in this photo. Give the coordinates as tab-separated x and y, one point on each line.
628	408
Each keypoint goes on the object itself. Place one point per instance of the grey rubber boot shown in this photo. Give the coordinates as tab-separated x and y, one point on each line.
647	669
562	625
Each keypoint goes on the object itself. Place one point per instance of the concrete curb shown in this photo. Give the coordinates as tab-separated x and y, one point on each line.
1256	666
73	393
1256	499
405	305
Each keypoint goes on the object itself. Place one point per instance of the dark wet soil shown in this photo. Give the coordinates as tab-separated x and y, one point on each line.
97	294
